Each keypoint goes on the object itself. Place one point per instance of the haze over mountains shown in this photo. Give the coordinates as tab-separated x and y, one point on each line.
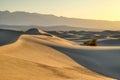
25	18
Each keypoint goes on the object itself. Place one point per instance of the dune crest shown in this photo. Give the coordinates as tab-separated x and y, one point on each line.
32	57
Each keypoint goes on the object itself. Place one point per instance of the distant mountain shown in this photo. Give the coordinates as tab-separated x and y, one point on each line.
68	28
46	28
25	18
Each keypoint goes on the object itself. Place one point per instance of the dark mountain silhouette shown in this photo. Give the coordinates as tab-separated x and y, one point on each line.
25	18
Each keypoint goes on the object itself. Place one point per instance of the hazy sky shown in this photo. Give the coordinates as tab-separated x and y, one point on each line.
88	9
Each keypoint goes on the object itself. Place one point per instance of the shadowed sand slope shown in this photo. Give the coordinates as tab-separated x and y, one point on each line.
10	36
102	60
109	42
32	58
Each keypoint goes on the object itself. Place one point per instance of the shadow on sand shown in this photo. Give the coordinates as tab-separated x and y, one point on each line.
10	36
105	62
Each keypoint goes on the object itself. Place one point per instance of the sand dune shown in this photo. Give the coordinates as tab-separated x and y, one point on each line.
32	57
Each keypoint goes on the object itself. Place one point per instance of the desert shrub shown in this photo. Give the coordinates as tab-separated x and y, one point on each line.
91	42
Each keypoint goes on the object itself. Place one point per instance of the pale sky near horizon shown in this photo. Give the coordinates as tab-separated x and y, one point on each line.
87	9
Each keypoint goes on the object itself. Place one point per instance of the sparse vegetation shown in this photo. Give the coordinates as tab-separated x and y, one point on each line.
91	42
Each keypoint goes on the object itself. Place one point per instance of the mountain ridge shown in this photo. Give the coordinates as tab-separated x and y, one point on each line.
47	28
27	18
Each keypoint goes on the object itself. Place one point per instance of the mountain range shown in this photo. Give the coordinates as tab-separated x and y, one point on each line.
26	18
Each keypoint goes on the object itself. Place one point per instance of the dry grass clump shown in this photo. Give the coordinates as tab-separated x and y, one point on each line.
91	42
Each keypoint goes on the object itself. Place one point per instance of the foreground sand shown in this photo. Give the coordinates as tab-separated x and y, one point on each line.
32	58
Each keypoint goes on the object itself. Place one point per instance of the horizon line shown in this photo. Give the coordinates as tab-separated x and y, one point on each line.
59	16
